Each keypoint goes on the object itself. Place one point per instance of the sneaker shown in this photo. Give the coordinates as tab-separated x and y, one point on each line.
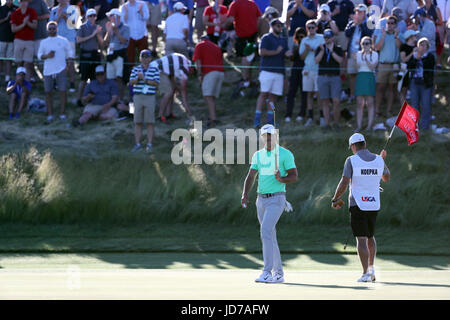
365	278
148	148
72	87
17	115
299	119
137	147
62	117
172	116
309	122
163	120
372	274
11	116
277	278
79	103
50	118
75	123
287	119
265	277
322	122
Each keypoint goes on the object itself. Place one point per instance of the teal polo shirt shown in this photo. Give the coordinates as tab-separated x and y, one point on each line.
264	162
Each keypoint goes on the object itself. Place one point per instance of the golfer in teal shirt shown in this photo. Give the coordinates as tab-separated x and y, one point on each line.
275	167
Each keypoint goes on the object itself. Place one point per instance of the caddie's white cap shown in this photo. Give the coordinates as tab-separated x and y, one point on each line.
99	69
21	69
90	12
114	11
356	137
267	128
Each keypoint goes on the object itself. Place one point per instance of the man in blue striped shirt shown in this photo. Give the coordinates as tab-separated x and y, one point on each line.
145	80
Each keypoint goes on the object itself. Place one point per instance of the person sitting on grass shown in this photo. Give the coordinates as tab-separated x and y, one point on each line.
19	90
99	96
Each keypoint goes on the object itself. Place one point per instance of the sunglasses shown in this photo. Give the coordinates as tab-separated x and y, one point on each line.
366	43
392	23
92	15
145	56
100	73
311	27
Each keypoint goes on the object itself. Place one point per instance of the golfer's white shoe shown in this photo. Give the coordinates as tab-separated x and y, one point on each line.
365	278
277	278
372	275
265	277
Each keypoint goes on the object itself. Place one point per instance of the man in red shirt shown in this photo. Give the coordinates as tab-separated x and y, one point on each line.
209	63
244	14
214	18
23	23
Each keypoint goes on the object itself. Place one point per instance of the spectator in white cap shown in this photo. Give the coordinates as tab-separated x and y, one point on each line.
100	96
324	20
19	91
55	51
116	40
176	31
90	40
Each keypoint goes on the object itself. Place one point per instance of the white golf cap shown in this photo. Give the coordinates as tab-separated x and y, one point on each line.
179	6
115	12
361	7
90	12
325	7
267	128
99	69
356	137
21	69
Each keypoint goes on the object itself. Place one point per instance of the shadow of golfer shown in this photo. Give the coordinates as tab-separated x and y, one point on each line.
327	286
431	285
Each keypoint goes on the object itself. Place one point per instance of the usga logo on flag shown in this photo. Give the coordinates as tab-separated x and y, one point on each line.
368	199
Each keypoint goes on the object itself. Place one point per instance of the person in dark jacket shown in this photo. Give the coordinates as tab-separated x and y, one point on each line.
421	73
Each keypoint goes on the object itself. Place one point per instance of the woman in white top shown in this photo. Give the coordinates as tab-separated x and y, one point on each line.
366	61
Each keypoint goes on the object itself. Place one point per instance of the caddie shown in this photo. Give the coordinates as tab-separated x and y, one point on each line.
275	167
363	172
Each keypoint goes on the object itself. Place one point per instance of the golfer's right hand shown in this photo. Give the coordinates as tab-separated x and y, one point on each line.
383	154
244	201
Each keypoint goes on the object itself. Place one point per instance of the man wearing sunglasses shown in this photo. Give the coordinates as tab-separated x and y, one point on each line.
89	37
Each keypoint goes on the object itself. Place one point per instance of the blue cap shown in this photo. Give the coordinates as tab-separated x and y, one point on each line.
328	33
420	12
145	51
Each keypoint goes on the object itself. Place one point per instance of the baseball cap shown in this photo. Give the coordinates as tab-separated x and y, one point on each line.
420	12
397	12
21	69
410	33
355	138
145	51
267	128
179	6
361	7
328	33
271	11
115	12
324	7
99	69
91	12
275	21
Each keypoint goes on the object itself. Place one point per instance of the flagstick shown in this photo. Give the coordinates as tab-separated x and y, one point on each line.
389	138
272	106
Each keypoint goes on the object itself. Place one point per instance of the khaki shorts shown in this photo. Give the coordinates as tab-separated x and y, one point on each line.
144	108
7	49
176	46
352	68
23	50
212	84
310	81
114	69
386	73
96	110
165	85
155	16
341	40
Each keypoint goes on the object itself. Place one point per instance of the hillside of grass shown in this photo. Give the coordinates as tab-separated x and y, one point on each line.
53	173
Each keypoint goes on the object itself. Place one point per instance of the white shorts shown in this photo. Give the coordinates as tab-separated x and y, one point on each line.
310	81
271	82
114	69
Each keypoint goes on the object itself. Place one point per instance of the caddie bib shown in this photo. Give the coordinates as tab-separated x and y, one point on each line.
365	185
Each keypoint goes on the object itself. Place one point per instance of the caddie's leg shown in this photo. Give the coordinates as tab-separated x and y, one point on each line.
372	245
363	252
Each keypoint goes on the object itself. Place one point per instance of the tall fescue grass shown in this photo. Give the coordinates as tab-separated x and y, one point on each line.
117	188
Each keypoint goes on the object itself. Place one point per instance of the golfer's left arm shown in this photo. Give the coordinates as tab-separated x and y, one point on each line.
292	176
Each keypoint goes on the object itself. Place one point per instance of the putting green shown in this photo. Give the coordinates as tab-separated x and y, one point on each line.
208	276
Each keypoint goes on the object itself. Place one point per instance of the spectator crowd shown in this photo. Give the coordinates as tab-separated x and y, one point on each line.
382	50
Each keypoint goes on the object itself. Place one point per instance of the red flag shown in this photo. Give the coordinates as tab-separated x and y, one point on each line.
407	121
